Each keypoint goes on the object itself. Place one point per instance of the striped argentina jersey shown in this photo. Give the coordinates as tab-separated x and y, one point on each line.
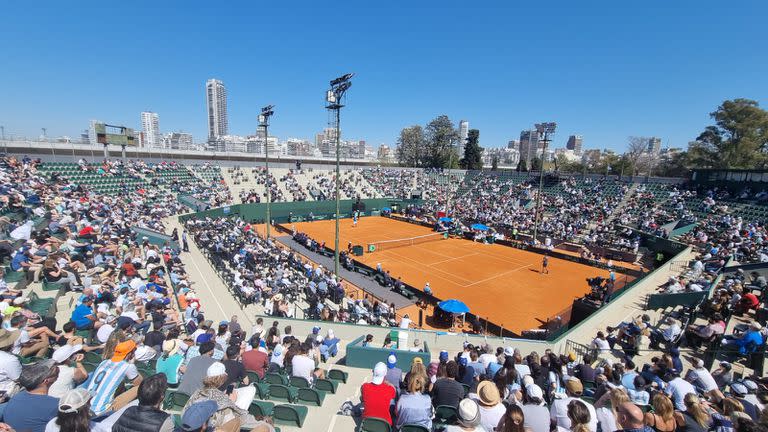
103	382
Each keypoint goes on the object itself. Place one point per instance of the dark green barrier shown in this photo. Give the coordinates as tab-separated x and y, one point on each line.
663	301
367	357
155	237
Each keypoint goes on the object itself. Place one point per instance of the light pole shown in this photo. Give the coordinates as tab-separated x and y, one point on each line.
2	134
266	113
546	129
333	97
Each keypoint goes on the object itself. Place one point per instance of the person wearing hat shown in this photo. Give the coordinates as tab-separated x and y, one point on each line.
377	396
489	402
723	375
69	376
559	410
112	372
467	417
394	374
198	415
10	366
74	414
148	415
752	395
700	377
228	406
535	412
195	350
170	361
748	341
739	391
31	409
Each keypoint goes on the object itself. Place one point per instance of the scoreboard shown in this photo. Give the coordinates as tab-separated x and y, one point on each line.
115	135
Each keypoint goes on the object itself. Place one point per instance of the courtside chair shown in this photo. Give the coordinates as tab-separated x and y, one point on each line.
414	428
326	385
261	408
290	414
311	396
374	424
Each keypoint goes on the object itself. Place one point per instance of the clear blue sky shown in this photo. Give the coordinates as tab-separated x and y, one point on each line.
604	69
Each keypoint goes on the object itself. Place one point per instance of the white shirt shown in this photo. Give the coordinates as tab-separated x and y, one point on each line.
10	368
559	413
702	378
23	338
303	366
64	383
677	389
490	416
601	344
102	334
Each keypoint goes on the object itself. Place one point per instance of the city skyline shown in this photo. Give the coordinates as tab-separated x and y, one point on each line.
609	80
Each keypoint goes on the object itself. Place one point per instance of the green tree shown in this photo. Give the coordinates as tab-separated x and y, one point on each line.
738	139
535	163
410	147
522	166
441	139
473	153
494	163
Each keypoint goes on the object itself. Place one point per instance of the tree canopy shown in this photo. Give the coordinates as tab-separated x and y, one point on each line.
433	146
410	147
473	153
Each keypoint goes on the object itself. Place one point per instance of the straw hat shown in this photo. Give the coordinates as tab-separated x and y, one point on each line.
488	393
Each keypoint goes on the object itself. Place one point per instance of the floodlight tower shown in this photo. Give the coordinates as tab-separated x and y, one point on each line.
545	129
266	113
333	97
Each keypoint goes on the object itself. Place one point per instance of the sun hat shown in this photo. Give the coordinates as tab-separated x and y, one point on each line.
65	352
379	372
73	400
122	350
216	369
574	386
198	414
509	351
488	393
171	346
7	338
468	414
527	380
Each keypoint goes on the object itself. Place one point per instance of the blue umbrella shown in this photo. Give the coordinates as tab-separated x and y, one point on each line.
386	209
445	219
453	306
479	227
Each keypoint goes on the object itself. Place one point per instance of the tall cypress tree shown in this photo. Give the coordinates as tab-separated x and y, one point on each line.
473	153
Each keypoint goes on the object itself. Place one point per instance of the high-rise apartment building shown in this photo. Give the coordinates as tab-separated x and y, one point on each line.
654	145
574	143
529	145
216	98
463	135
150	125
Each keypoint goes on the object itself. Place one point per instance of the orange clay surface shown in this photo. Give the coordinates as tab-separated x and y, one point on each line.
499	283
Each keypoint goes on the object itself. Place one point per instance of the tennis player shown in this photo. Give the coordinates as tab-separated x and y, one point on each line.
354	219
545	265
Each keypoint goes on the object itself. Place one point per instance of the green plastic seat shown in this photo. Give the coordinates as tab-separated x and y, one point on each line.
311	396
282	393
290	414
338	375
326	385
445	414
374	424
176	401
299	382
261	408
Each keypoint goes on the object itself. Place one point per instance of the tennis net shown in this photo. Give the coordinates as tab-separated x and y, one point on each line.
410	241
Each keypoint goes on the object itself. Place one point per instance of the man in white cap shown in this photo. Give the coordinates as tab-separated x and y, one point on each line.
700	377
534	409
467	416
69	376
377	395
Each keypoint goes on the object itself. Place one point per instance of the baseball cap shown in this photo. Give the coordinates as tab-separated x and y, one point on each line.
535	391
203	338
739	389
123	349
198	414
391	361
750	385
509	352
216	369
73	400
443	355
379	371
64	352
315	329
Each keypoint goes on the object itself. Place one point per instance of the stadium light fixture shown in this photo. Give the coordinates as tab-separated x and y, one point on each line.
545	129
334	97
266	113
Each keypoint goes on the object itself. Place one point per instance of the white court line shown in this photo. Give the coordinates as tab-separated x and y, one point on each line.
498	275
205	281
451	259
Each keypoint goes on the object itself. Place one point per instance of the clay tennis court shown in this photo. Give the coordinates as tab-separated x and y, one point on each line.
499	283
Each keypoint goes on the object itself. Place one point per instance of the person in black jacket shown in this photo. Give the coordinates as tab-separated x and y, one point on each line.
147	415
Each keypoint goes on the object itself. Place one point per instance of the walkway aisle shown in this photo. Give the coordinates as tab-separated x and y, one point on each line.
217	302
